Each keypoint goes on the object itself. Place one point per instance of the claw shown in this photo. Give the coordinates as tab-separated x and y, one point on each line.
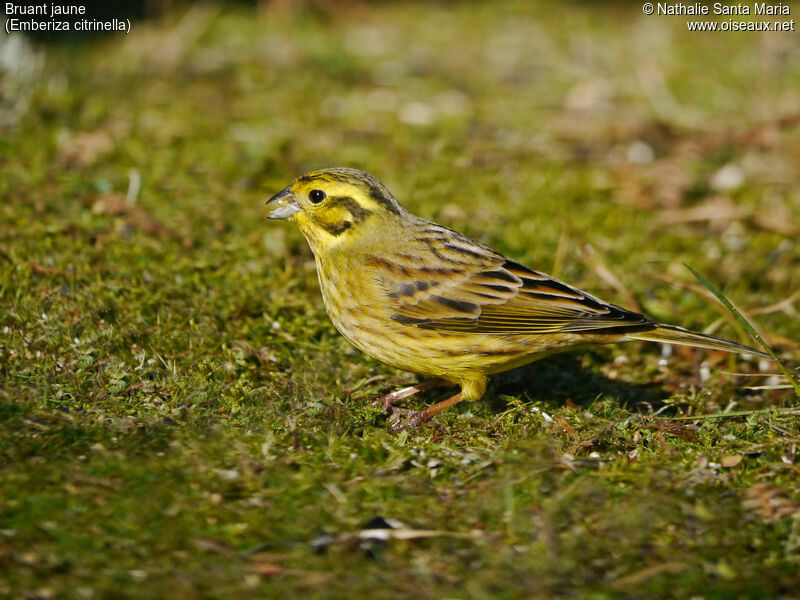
396	416
417	418
420	417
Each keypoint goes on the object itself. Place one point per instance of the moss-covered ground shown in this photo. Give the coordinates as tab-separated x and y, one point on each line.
178	416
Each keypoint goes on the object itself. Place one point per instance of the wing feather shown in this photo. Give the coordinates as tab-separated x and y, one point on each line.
471	288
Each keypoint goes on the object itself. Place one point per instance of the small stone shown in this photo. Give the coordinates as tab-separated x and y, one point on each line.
727	178
416	113
639	153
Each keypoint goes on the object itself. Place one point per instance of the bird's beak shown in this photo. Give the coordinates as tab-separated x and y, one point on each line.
285	204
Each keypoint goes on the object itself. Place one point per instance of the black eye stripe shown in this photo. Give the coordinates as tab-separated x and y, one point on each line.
316	196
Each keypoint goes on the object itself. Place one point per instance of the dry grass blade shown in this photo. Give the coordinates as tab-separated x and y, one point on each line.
588	256
717	209
787	304
756	388
382	530
782	430
738	413
635	580
720	210
403	534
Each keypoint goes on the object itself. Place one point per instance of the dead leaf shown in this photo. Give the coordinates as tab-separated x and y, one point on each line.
717	209
731	460
86	148
212	545
564	424
720	210
686	432
115	205
769	502
267	569
44	269
266	565
776	214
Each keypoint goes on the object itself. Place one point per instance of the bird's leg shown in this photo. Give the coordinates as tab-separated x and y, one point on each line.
387	400
418	418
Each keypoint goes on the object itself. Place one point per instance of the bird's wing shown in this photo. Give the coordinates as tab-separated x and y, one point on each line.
446	281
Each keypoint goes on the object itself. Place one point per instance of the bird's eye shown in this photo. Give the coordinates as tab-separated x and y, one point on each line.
316	196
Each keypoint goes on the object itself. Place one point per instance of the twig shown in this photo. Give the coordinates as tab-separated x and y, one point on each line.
778	428
561	252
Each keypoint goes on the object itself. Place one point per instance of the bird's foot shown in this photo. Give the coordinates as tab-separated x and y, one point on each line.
417	418
387	400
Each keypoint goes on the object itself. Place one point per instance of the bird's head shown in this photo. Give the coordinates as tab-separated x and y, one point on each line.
338	205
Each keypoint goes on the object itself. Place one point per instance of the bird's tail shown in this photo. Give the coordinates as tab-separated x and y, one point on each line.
669	334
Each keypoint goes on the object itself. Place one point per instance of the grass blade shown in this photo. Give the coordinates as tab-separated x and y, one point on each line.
750	329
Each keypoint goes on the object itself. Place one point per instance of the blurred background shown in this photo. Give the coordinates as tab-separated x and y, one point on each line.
533	126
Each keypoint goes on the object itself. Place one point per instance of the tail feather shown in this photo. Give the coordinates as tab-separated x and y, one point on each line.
669	334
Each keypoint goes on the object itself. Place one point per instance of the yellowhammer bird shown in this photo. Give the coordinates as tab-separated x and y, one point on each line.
427	299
